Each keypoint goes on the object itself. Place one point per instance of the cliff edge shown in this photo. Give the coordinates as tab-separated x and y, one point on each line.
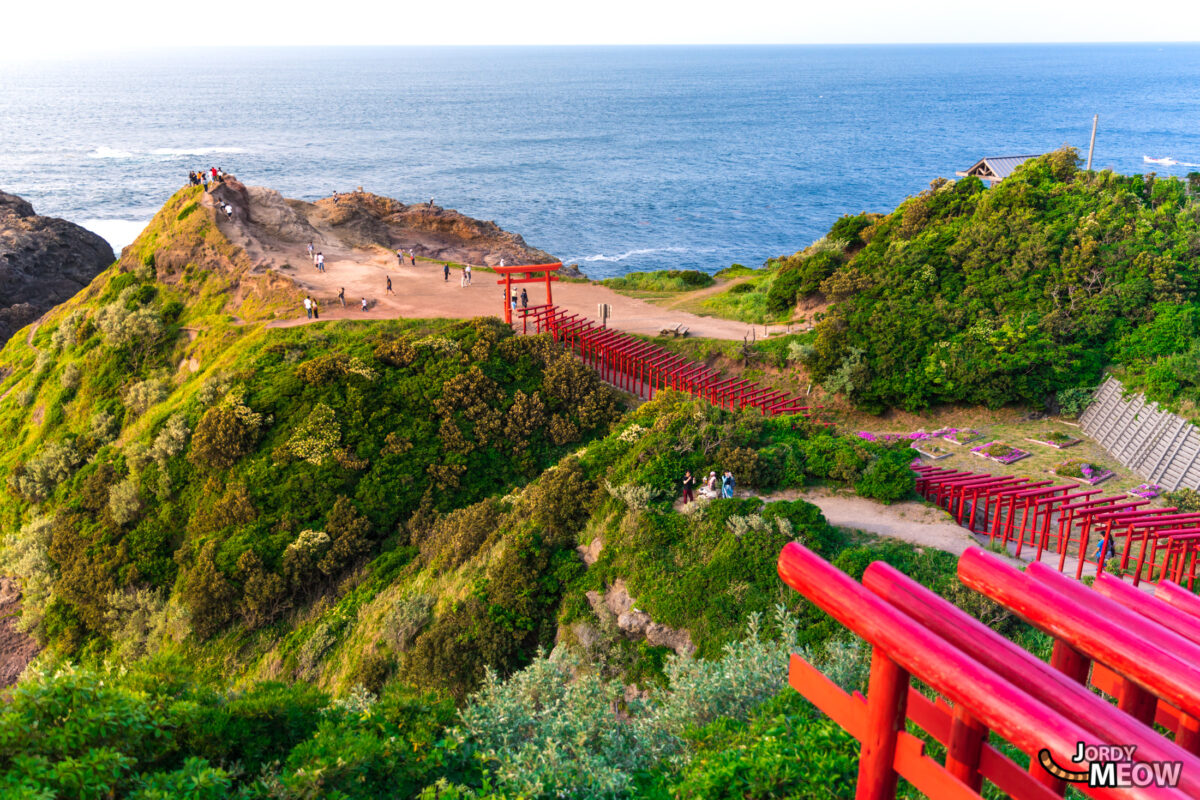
43	262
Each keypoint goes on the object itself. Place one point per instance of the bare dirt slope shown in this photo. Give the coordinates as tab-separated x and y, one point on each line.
16	649
358	235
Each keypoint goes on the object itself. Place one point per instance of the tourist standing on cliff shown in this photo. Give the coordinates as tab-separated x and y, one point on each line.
316	309
342	296
311	251
308	305
446	271
399	257
462	281
320	262
467	269
412	258
389	285
689	483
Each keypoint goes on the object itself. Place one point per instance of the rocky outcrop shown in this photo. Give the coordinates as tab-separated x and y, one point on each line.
16	649
43	262
364	220
635	623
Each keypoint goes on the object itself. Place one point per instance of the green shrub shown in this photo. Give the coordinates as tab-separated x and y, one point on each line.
671	280
208	594
226	433
37	478
888	477
1074	401
1184	499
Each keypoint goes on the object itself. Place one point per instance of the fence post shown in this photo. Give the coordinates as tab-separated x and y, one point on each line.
887	706
963	750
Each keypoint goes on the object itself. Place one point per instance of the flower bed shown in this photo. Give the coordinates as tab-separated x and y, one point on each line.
1055	439
962	436
932	451
1146	490
999	452
1083	471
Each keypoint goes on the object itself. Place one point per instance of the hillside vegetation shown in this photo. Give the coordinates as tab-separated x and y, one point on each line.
1015	293
347	559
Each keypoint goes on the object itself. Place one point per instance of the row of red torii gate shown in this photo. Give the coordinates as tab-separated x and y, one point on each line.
634	364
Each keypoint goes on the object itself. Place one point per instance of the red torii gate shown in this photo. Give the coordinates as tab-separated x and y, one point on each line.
508	282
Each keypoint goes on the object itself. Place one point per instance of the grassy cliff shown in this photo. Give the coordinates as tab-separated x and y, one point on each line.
380	558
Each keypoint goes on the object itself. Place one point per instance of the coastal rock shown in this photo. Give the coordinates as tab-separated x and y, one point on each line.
361	220
43	261
572	271
635	623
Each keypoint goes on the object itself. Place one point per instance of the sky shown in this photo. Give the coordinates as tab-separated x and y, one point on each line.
57	28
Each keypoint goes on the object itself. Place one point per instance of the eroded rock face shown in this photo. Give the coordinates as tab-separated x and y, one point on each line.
43	262
364	220
16	649
636	623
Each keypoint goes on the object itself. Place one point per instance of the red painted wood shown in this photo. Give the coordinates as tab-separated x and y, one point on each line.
1063	689
1011	712
887	696
1157	659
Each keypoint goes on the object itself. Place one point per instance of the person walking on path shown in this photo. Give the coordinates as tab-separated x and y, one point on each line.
399	258
311	251
412	257
513	302
364	304
462	281
727	484
524	299
467	269
689	483
446	271
228	212
342	296
320	262
389	285
316	310
308	305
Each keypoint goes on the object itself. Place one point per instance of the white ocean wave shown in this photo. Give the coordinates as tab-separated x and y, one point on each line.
644	251
117	232
195	151
109	152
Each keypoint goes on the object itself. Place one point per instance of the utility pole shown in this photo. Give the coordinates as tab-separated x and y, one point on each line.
1092	146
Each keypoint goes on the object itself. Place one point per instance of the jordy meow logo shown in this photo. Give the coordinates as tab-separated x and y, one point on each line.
1112	767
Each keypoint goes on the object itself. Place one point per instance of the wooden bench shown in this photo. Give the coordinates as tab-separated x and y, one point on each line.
678	330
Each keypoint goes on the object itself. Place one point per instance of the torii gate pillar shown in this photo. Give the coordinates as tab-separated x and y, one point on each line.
528	269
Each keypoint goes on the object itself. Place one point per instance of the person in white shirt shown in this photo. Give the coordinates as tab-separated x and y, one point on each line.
308	306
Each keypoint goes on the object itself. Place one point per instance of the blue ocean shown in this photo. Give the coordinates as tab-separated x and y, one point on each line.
618	158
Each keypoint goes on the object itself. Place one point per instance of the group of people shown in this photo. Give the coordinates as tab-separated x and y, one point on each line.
317	258
314	311
523	298
213	175
401	255
713	487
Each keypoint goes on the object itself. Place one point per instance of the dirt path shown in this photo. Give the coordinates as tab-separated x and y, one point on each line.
917	523
423	292
912	522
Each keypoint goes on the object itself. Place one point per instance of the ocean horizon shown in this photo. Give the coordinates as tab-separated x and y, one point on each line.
616	158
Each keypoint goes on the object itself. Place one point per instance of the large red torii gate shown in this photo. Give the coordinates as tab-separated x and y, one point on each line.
508	282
